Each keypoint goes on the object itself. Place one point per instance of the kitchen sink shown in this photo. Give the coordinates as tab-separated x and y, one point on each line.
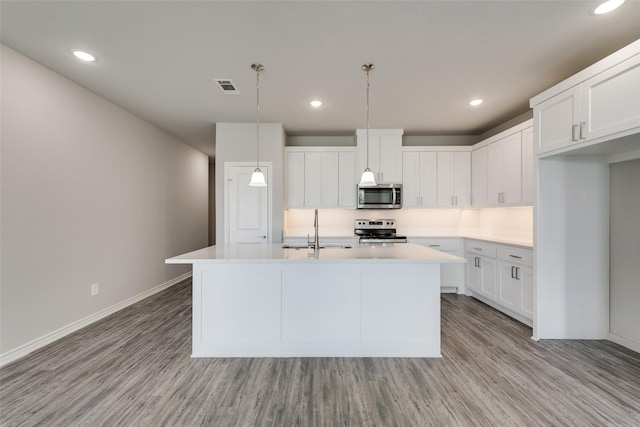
322	246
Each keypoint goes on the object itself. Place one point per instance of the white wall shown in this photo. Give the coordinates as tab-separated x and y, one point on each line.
625	253
90	193
571	248
236	142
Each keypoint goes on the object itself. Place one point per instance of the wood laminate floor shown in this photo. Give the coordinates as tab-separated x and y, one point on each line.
134	369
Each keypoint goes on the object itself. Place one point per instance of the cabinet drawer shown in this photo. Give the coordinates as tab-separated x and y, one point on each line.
516	255
481	247
440	244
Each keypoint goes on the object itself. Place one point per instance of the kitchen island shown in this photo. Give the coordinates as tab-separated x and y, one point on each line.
262	300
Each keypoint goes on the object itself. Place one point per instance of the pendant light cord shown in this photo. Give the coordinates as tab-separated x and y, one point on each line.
367	89
257	117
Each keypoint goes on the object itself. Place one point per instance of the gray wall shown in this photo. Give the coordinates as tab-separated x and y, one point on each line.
625	250
90	193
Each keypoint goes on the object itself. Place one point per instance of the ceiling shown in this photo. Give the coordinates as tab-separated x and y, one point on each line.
159	59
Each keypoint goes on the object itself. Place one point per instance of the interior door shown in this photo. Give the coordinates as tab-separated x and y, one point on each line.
247	207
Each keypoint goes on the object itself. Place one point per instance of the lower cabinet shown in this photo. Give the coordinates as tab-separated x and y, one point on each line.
502	277
451	275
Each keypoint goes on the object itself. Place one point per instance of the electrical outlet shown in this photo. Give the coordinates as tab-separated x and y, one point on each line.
95	289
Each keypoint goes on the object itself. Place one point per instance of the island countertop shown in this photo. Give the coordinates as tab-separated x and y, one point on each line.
275	253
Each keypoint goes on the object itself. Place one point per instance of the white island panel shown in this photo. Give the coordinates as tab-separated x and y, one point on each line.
320	303
239	303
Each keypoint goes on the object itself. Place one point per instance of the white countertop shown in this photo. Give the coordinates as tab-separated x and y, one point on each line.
266	253
507	240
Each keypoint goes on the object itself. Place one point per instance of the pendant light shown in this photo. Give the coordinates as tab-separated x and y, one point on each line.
257	178
367	179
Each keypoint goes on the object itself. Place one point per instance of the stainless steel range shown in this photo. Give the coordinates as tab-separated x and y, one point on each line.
378	231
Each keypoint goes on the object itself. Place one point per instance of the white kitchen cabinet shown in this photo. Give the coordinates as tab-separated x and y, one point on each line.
295	179
604	103
319	178
451	274
347	179
502	277
479	176
419	178
610	101
481	268
555	119
514	284
454	179
505	171
385	153
528	173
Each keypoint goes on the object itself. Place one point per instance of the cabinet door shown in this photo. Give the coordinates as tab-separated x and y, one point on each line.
526	279
555	119
313	179
329	179
479	175
488	266
527	166
512	169
411	179
474	273
509	287
445	179
347	179
611	100
462	179
295	179
390	158
496	173
428	179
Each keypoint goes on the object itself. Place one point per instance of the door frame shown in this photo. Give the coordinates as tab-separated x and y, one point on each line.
266	168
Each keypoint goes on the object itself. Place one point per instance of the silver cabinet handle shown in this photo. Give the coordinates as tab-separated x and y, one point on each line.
417	200
452	204
434	246
574	133
517	273
478	249
513	274
421	203
583	126
515	256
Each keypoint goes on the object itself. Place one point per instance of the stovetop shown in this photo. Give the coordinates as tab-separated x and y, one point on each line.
377	231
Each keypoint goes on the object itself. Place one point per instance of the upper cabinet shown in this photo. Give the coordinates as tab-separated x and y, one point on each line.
505	171
454	179
502	168
479	176
419	179
527	166
597	104
384	153
321	177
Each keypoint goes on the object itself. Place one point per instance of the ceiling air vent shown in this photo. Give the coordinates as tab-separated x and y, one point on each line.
227	87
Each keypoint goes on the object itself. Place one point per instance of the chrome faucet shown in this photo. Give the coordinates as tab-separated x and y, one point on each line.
316	238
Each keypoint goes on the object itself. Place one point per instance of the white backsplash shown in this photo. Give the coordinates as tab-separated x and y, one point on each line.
513	223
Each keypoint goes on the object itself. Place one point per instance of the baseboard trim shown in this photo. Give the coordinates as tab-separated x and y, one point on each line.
625	342
23	350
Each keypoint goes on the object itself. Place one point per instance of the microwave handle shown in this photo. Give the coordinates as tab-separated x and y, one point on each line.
393	199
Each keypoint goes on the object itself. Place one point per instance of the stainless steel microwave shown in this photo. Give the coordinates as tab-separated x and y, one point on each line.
381	196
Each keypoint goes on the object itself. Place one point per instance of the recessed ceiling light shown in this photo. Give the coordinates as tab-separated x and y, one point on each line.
315	103
476	102
83	56
608	6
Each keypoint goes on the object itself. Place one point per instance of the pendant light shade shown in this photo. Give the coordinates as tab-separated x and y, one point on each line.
257	178
367	179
